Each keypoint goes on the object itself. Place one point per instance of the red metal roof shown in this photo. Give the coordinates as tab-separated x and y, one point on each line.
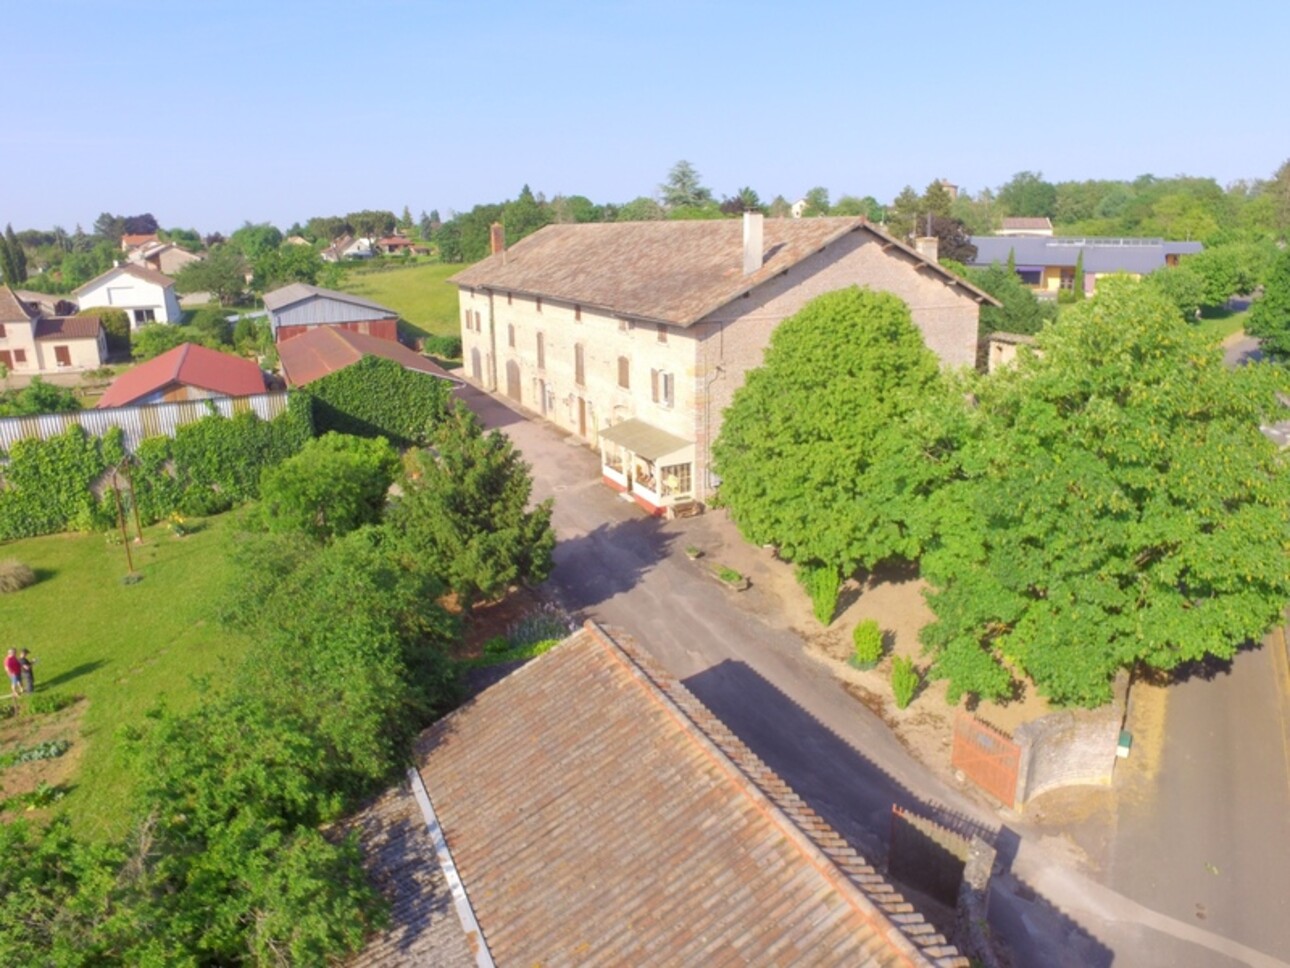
187	365
325	349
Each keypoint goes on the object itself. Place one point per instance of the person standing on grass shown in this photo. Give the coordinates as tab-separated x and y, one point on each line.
26	673
14	671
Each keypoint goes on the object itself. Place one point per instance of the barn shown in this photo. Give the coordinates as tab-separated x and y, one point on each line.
299	307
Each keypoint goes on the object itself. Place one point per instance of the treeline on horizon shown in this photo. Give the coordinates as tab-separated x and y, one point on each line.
1181	208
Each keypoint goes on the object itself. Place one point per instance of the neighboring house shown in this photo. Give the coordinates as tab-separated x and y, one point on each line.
145	294
636	335
1001	348
394	244
323	350
1024	226
296	240
1047	265
588	809
188	372
296	308
164	257
32	343
348	248
131	242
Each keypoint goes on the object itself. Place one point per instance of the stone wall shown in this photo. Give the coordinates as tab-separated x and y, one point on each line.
1070	748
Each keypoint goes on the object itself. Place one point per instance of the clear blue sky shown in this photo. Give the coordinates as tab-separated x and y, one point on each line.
211	113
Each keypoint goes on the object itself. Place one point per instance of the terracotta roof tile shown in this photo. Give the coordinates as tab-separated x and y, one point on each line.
671	272
12	309
599	814
190	365
68	327
325	349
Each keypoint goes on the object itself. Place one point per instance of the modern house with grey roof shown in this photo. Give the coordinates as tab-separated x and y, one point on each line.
634	336
1047	265
589	810
296	308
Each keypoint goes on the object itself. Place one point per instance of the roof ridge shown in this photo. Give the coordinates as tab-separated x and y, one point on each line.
803	825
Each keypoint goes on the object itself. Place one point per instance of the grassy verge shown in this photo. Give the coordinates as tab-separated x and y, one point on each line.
122	647
1222	324
426	302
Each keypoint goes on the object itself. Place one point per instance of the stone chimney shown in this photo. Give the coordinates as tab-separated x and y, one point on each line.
497	237
754	246
928	247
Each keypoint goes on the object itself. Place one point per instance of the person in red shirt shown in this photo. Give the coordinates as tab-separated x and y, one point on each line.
14	669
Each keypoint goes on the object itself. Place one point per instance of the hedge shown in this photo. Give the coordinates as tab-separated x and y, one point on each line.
378	398
48	486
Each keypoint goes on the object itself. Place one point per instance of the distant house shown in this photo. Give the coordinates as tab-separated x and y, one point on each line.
1047	265
589	810
397	245
33	343
635	336
296	240
296	308
348	248
145	294
188	372
324	350
1021	226
164	257
130	242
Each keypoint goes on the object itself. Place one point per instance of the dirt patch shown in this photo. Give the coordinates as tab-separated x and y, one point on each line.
26	729
496	619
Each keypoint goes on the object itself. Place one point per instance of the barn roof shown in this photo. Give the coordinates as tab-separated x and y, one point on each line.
323	350
300	291
189	365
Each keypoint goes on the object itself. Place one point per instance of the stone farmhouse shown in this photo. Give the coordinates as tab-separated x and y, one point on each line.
635	335
32	343
145	294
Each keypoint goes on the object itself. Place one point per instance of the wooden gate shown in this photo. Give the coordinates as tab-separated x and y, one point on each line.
988	757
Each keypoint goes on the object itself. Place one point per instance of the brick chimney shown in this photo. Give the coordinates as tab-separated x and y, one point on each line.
928	247
754	246
497	237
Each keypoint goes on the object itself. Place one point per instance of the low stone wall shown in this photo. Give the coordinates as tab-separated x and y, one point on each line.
1071	748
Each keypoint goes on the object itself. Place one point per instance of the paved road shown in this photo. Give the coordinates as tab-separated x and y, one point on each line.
622	568
1209	842
1240	350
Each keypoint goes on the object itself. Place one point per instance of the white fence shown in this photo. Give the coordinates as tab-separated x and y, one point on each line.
139	422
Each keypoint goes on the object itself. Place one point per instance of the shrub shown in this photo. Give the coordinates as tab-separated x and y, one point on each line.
822	583
729	575
904	680
41	703
379	398
116	326
867	640
211	323
15	576
444	347
548	622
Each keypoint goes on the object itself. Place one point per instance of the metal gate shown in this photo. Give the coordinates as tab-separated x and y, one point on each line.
988	757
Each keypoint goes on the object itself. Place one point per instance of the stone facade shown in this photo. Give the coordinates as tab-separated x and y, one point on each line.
681	379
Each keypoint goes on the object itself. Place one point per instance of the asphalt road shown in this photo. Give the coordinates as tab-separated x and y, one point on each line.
621	568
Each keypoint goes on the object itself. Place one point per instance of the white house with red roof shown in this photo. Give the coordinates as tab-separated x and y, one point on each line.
145	294
188	372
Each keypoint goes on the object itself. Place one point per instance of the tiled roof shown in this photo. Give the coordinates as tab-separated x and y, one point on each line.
190	365
129	241
299	291
1026	222
325	349
670	272
12	309
597	813
400	860
68	327
130	269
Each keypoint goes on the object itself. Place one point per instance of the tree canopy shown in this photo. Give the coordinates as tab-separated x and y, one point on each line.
683	188
802	444
1270	315
1115	504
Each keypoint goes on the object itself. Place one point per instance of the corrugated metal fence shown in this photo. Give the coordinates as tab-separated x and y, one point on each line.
139	422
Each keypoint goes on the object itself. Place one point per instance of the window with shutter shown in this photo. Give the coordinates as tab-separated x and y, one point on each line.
624	373
578	374
541	351
653	385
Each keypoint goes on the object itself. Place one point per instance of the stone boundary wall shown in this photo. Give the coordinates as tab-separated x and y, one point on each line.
1070	748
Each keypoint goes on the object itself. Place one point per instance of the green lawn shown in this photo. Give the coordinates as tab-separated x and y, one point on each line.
122	647
1219	324
419	293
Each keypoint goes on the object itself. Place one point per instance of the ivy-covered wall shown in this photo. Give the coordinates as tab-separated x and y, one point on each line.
379	398
47	486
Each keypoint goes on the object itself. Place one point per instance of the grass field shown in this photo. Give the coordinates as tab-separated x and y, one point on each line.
122	647
425	301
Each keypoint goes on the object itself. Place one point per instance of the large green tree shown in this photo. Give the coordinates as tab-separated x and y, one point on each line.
683	187
1270	315
222	273
802	443
465	512
1115	504
1027	194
